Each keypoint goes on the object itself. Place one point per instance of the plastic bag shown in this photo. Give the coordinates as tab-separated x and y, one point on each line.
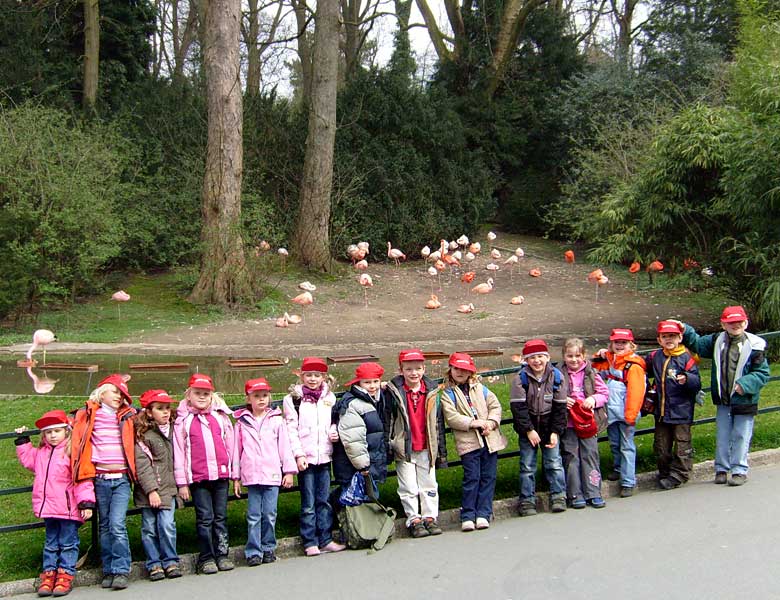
356	492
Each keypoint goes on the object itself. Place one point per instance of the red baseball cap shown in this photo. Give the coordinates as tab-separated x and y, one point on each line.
150	396
312	363
366	370
52	419
461	360
260	384
625	335
668	327
199	380
536	346
410	355
733	314
119	382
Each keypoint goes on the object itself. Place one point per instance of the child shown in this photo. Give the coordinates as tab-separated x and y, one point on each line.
155	491
307	411
474	414
739	371
62	505
417	441
203	444
677	382
359	416
104	450
262	461
538	402
626	385
581	459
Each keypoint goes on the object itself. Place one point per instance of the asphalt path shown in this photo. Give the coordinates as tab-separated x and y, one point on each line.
699	541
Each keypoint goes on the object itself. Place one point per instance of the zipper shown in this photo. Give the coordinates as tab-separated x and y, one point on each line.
663	385
46	479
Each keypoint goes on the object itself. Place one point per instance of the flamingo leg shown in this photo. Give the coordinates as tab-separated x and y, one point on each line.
365	297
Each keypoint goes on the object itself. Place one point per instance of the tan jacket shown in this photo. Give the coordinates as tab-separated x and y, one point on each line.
459	417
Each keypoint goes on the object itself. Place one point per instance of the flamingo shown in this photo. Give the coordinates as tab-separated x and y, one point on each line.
517	300
307	286
451	260
439	266
361	265
491	236
511	261
495	254
463	241
470	256
41	337
41	385
425	252
282	321
535	272
634	269
433	273
264	246
453	245
395	254
466	308
492	267
519	252
458	255
468	277
433	303
434	256
293	319
568	256
363	246
483	288
354	253
654	267
118	297
283	254
475	248
303	300
597	278
366	281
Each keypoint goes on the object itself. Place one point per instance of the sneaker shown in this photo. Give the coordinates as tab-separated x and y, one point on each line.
417	529
738	479
107	582
721	477
626	491
432	526
120	581
613	475
467	526
172	572
156	574
668	483
578	503
225	564
268	557
332	547
46	585
208	568
597	502
312	551
558	505
482	523
527	509
254	561
63	584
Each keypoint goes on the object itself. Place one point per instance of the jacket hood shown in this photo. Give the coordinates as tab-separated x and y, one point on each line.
246	412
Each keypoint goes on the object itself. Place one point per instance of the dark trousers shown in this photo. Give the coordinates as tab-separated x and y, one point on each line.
673	450
479	484
210	500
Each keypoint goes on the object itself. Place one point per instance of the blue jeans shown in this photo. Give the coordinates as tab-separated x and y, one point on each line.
112	497
621	441
158	536
210	500
551	464
732	444
61	548
479	484
261	519
316	512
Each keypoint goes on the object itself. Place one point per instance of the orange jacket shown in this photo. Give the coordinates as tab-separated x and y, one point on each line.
635	380
81	444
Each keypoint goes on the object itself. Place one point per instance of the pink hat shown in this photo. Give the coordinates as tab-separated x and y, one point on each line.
410	355
199	380
536	346
624	335
668	327
733	314
461	360
52	419
366	370
119	382
312	363
150	396
260	384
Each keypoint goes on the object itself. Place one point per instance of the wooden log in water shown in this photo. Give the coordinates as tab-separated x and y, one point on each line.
160	367
61	366
238	363
351	358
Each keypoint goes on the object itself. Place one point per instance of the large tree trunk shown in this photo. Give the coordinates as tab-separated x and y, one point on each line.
312	235
304	47
223	278
624	16
91	54
253	66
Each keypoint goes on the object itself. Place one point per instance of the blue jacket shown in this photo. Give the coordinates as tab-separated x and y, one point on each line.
752	368
675	401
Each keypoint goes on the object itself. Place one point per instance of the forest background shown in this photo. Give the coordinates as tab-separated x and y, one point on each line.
150	135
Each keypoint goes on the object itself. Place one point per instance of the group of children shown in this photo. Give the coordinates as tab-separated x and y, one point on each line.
199	452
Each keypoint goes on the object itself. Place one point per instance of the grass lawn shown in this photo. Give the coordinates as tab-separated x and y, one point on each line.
21	551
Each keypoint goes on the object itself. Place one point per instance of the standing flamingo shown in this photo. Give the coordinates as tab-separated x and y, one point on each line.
283	254
264	246
303	300
396	254
491	236
41	337
425	252
511	261
363	246
483	288
119	297
654	267
366	281
519	252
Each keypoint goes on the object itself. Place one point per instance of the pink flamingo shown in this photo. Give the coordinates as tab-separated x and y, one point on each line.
41	337
366	281
119	297
361	265
433	303
283	254
41	385
483	288
303	300
396	254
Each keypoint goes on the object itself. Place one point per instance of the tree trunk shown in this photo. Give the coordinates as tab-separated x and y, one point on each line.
253	68
312	235
304	48
91	54
624	19
223	279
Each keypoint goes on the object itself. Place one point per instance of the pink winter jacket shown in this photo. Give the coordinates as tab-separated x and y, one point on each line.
182	450
261	451
54	494
576	381
308	426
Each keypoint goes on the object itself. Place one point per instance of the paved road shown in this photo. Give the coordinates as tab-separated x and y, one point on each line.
700	541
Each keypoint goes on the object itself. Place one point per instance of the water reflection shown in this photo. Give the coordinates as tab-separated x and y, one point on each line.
41	385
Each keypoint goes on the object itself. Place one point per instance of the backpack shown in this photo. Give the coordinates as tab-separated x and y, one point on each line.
557	379
584	420
651	395
367	525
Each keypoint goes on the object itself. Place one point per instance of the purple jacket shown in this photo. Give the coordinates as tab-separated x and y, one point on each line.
54	494
261	451
205	455
580	382
308	426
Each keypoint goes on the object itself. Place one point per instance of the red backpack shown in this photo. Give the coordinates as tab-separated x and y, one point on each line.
584	421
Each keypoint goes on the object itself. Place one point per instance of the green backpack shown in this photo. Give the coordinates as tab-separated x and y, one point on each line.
367	525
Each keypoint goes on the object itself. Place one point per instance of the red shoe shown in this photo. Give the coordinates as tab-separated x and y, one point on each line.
46	585
64	583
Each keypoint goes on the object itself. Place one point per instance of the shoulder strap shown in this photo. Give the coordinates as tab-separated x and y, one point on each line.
524	380
485	393
690	363
557	379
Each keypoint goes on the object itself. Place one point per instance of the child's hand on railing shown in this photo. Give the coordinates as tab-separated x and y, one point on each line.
20	430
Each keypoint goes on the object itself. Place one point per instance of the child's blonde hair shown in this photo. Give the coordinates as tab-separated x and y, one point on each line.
449	381
573	342
216	399
68	436
631	347
98	392
327	378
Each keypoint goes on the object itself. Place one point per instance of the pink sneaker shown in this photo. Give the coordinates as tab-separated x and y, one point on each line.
312	551
333	547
